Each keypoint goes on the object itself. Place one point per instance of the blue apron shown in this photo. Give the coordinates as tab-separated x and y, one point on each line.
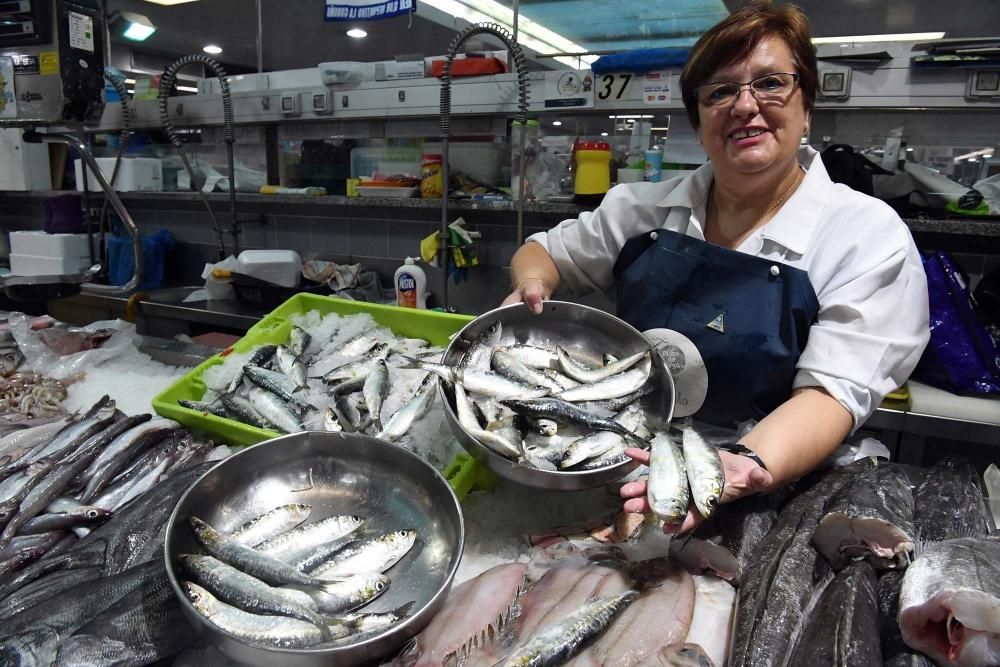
748	317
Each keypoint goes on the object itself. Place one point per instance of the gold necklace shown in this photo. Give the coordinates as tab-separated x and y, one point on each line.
711	199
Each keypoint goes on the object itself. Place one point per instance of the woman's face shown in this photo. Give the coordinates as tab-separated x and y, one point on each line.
748	136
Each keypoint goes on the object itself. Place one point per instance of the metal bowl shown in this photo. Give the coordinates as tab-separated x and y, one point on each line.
585	332
337	473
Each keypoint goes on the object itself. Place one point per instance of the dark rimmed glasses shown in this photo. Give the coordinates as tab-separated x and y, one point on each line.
774	87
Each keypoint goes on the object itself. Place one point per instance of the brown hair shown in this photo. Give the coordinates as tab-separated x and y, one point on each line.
734	39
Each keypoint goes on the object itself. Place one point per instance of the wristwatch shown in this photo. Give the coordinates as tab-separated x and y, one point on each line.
742	450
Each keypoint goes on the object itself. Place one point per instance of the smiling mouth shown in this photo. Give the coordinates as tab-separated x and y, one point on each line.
744	134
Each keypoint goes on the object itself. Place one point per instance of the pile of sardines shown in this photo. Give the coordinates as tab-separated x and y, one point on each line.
276	583
61	479
863	565
332	385
545	408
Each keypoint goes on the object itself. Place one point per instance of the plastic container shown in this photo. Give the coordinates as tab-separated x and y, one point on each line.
593	167
431	183
654	165
432	326
385	161
279	267
411	285
43	244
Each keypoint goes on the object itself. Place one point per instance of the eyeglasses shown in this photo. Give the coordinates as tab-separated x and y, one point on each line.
774	87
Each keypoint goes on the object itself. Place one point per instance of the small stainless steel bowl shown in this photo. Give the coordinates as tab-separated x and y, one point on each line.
337	473
585	332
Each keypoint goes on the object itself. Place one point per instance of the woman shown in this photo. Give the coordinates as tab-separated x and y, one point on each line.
805	300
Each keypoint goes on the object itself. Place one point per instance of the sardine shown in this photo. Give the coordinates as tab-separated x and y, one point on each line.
374	554
508	366
348	386
248	593
346	595
399	423
271	523
481	382
360	368
291	545
704	472
616	404
564	381
210	408
358	346
467	419
298	341
546	427
375	389
277	383
331	422
359	625
289	364
667	487
591	447
271	409
580	373
266	568
557	643
347	414
241	409
260	357
477	357
567	413
533	356
614	386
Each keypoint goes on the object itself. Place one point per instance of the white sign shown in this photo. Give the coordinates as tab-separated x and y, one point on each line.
366	10
81	32
569	89
686	366
656	88
8	103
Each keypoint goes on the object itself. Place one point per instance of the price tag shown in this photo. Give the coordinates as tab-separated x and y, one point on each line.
614	86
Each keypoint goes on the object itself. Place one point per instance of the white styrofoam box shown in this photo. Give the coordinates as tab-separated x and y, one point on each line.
43	244
391	70
295	78
281	267
345	72
33	265
239	83
23	166
136	174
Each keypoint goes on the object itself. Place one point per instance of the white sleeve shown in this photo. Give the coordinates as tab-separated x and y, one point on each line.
872	325
585	249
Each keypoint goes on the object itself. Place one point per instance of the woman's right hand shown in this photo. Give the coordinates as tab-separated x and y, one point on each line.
531	291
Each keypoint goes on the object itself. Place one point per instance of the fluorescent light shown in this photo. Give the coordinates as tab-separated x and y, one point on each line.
660	129
891	37
139	32
624	116
357	33
557	123
531	34
212	49
187	89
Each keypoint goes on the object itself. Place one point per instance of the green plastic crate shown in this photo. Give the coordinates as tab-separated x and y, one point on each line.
432	326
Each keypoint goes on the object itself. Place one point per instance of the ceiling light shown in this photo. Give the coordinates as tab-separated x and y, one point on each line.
604	134
187	89
356	33
891	37
909	150
557	123
624	116
212	49
130	25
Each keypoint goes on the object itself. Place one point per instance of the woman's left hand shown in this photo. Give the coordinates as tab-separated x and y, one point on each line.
743	477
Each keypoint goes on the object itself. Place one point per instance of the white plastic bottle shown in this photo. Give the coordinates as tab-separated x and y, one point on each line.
411	285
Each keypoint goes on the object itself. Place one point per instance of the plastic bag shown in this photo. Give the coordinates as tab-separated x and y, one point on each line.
962	357
154	251
62	353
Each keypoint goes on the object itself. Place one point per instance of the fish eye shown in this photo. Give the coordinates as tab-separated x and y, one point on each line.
92	514
403	533
380	586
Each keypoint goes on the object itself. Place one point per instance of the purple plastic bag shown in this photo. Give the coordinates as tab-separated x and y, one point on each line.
64	215
962	357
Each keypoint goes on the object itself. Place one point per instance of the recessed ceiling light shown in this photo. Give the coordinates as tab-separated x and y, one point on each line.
557	123
604	134
212	49
356	33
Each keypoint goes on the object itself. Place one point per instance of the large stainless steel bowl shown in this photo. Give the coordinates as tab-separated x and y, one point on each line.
585	332
337	473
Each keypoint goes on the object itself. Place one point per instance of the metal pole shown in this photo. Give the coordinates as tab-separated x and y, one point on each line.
260	37
515	8
444	235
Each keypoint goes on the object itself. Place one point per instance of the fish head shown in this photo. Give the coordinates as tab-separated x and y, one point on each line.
374	585
204	531
198	596
94	513
7	510
404	538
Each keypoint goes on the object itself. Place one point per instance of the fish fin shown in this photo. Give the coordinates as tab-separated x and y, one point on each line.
411	363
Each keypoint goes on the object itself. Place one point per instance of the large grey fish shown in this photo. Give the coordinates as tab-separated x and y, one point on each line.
294	544
872	518
277	383
667	487
477	357
567	413
705	474
895	652
289	364
399	423
613	386
373	554
949	502
24	483
270	407
123	449
581	373
375	389
80	516
782	581
481	382
949	603
298	340
466	417
95	420
510	367
249	593
241	409
259	565
557	643
27	439
842	628
45	589
260	357
271	523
